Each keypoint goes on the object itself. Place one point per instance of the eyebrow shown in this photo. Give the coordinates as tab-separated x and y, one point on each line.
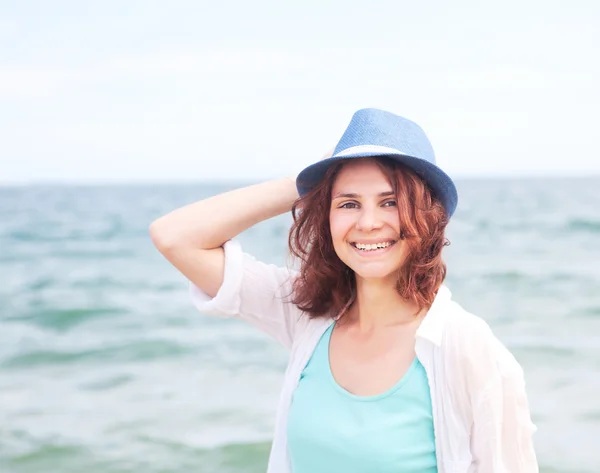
356	196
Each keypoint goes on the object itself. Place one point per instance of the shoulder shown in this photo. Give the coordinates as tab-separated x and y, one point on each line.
463	330
470	341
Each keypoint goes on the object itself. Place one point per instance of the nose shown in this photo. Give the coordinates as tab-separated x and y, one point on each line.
369	219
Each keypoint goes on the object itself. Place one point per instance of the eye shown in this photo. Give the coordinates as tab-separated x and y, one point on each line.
390	203
349	205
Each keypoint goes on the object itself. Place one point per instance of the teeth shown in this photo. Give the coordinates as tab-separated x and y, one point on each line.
373	246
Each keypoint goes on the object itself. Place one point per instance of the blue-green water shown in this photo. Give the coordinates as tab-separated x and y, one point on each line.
106	367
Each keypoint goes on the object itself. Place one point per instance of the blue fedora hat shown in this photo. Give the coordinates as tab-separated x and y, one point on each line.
377	133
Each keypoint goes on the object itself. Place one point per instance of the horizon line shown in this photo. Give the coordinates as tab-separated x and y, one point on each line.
250	181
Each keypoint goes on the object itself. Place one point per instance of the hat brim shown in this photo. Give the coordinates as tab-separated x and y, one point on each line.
441	184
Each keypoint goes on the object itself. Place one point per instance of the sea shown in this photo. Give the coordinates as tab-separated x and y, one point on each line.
105	366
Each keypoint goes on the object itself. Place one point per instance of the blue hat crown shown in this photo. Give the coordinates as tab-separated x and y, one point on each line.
377	133
374	127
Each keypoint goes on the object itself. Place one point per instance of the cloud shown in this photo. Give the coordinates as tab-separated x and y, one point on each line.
43	82
32	82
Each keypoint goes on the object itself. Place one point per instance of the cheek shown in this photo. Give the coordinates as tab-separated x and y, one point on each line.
339	226
392	220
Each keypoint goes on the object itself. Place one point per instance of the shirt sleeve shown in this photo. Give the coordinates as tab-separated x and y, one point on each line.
502	439
255	292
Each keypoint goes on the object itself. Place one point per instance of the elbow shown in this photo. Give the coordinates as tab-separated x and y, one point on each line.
161	237
167	237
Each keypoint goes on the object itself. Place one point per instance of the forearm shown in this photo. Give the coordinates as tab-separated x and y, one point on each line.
209	223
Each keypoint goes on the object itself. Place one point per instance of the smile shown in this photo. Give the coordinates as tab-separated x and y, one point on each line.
373	247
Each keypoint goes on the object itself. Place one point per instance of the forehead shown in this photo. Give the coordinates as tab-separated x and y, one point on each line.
363	174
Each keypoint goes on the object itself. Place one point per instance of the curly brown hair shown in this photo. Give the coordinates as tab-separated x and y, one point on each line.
326	286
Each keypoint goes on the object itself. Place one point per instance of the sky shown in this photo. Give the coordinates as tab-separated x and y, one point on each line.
137	91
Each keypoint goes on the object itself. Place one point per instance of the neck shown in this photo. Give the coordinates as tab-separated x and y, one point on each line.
379	305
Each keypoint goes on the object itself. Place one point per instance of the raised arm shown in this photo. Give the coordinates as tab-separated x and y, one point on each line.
191	237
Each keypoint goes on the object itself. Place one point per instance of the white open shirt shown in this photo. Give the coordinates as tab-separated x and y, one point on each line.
480	411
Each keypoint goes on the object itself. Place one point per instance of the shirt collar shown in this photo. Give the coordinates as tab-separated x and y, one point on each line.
433	324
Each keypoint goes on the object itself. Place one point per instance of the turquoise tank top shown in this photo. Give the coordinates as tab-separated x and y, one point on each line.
332	430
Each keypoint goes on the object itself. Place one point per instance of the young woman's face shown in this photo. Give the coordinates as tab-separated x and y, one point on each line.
364	221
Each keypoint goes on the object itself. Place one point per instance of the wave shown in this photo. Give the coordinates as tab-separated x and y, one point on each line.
24	256
64	235
101	283
144	351
107	383
64	319
228	458
106	282
505	276
536	280
48	456
590	226
591	312
142	453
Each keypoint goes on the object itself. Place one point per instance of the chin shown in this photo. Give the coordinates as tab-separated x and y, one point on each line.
374	273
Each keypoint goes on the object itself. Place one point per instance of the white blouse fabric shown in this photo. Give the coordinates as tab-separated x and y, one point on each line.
481	414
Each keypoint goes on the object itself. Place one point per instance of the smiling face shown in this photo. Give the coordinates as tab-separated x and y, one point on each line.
364	222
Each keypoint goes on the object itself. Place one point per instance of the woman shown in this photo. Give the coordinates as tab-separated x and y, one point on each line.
386	372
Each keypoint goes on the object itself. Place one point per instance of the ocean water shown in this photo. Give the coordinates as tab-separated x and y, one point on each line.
106	367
